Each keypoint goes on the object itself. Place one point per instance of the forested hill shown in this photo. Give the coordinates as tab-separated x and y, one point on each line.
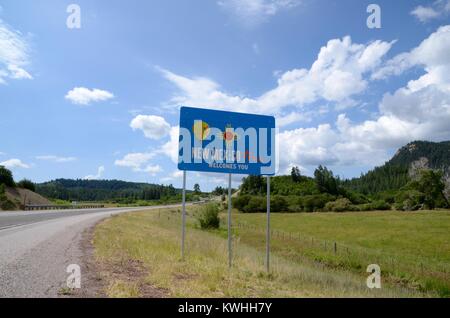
103	190
416	178
437	154
398	171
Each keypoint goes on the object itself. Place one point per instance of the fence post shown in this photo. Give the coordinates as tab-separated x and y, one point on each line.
335	248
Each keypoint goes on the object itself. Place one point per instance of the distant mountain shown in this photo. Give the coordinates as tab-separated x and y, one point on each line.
404	166
437	154
103	190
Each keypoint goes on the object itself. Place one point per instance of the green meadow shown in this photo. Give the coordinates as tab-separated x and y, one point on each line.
313	255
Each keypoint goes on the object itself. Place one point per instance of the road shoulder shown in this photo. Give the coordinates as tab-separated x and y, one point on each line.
96	274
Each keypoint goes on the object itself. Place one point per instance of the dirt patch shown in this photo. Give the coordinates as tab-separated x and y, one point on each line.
96	275
184	276
25	196
92	281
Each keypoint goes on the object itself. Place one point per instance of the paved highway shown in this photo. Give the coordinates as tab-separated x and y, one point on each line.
37	247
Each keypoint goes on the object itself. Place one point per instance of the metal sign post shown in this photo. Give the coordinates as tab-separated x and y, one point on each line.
183	217
268	227
230	255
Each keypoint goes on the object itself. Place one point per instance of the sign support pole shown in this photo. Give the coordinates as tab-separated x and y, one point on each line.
268	227
229	222
183	217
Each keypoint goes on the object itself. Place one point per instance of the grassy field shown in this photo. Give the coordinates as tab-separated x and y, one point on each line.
142	249
412	249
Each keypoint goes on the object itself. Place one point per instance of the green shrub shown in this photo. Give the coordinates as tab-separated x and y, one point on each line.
6	177
278	203
340	205
316	202
386	196
256	204
209	216
380	205
5	203
241	201
409	200
364	207
355	197
27	184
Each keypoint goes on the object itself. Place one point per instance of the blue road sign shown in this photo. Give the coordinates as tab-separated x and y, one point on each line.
226	142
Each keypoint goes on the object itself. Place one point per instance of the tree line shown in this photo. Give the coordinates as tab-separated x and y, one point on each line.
385	188
104	190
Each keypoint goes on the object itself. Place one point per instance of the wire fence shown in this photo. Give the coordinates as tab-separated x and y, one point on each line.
403	270
338	253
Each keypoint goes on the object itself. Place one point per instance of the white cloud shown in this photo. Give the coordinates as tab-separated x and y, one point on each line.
18	73
100	172
153	170
254	12
418	111
431	54
14	163
86	96
170	148
135	160
337	75
175	175
307	146
154	127
293	117
56	159
139	162
425	13
14	54
437	9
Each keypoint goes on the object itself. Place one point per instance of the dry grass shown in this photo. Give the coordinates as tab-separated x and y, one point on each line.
153	239
412	248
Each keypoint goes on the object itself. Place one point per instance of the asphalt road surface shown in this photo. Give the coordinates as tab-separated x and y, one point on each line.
37	247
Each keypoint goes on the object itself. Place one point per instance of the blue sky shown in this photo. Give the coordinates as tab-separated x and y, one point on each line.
102	101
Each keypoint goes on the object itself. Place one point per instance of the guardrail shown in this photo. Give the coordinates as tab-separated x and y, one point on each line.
63	207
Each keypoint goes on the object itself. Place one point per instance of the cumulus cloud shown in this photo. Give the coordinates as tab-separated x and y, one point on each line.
14	163
307	146
99	175
86	96
431	54
254	12
134	160
14	54
170	148
437	9
139	162
154	127
420	110
338	74
153	170
56	159
175	175
293	117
